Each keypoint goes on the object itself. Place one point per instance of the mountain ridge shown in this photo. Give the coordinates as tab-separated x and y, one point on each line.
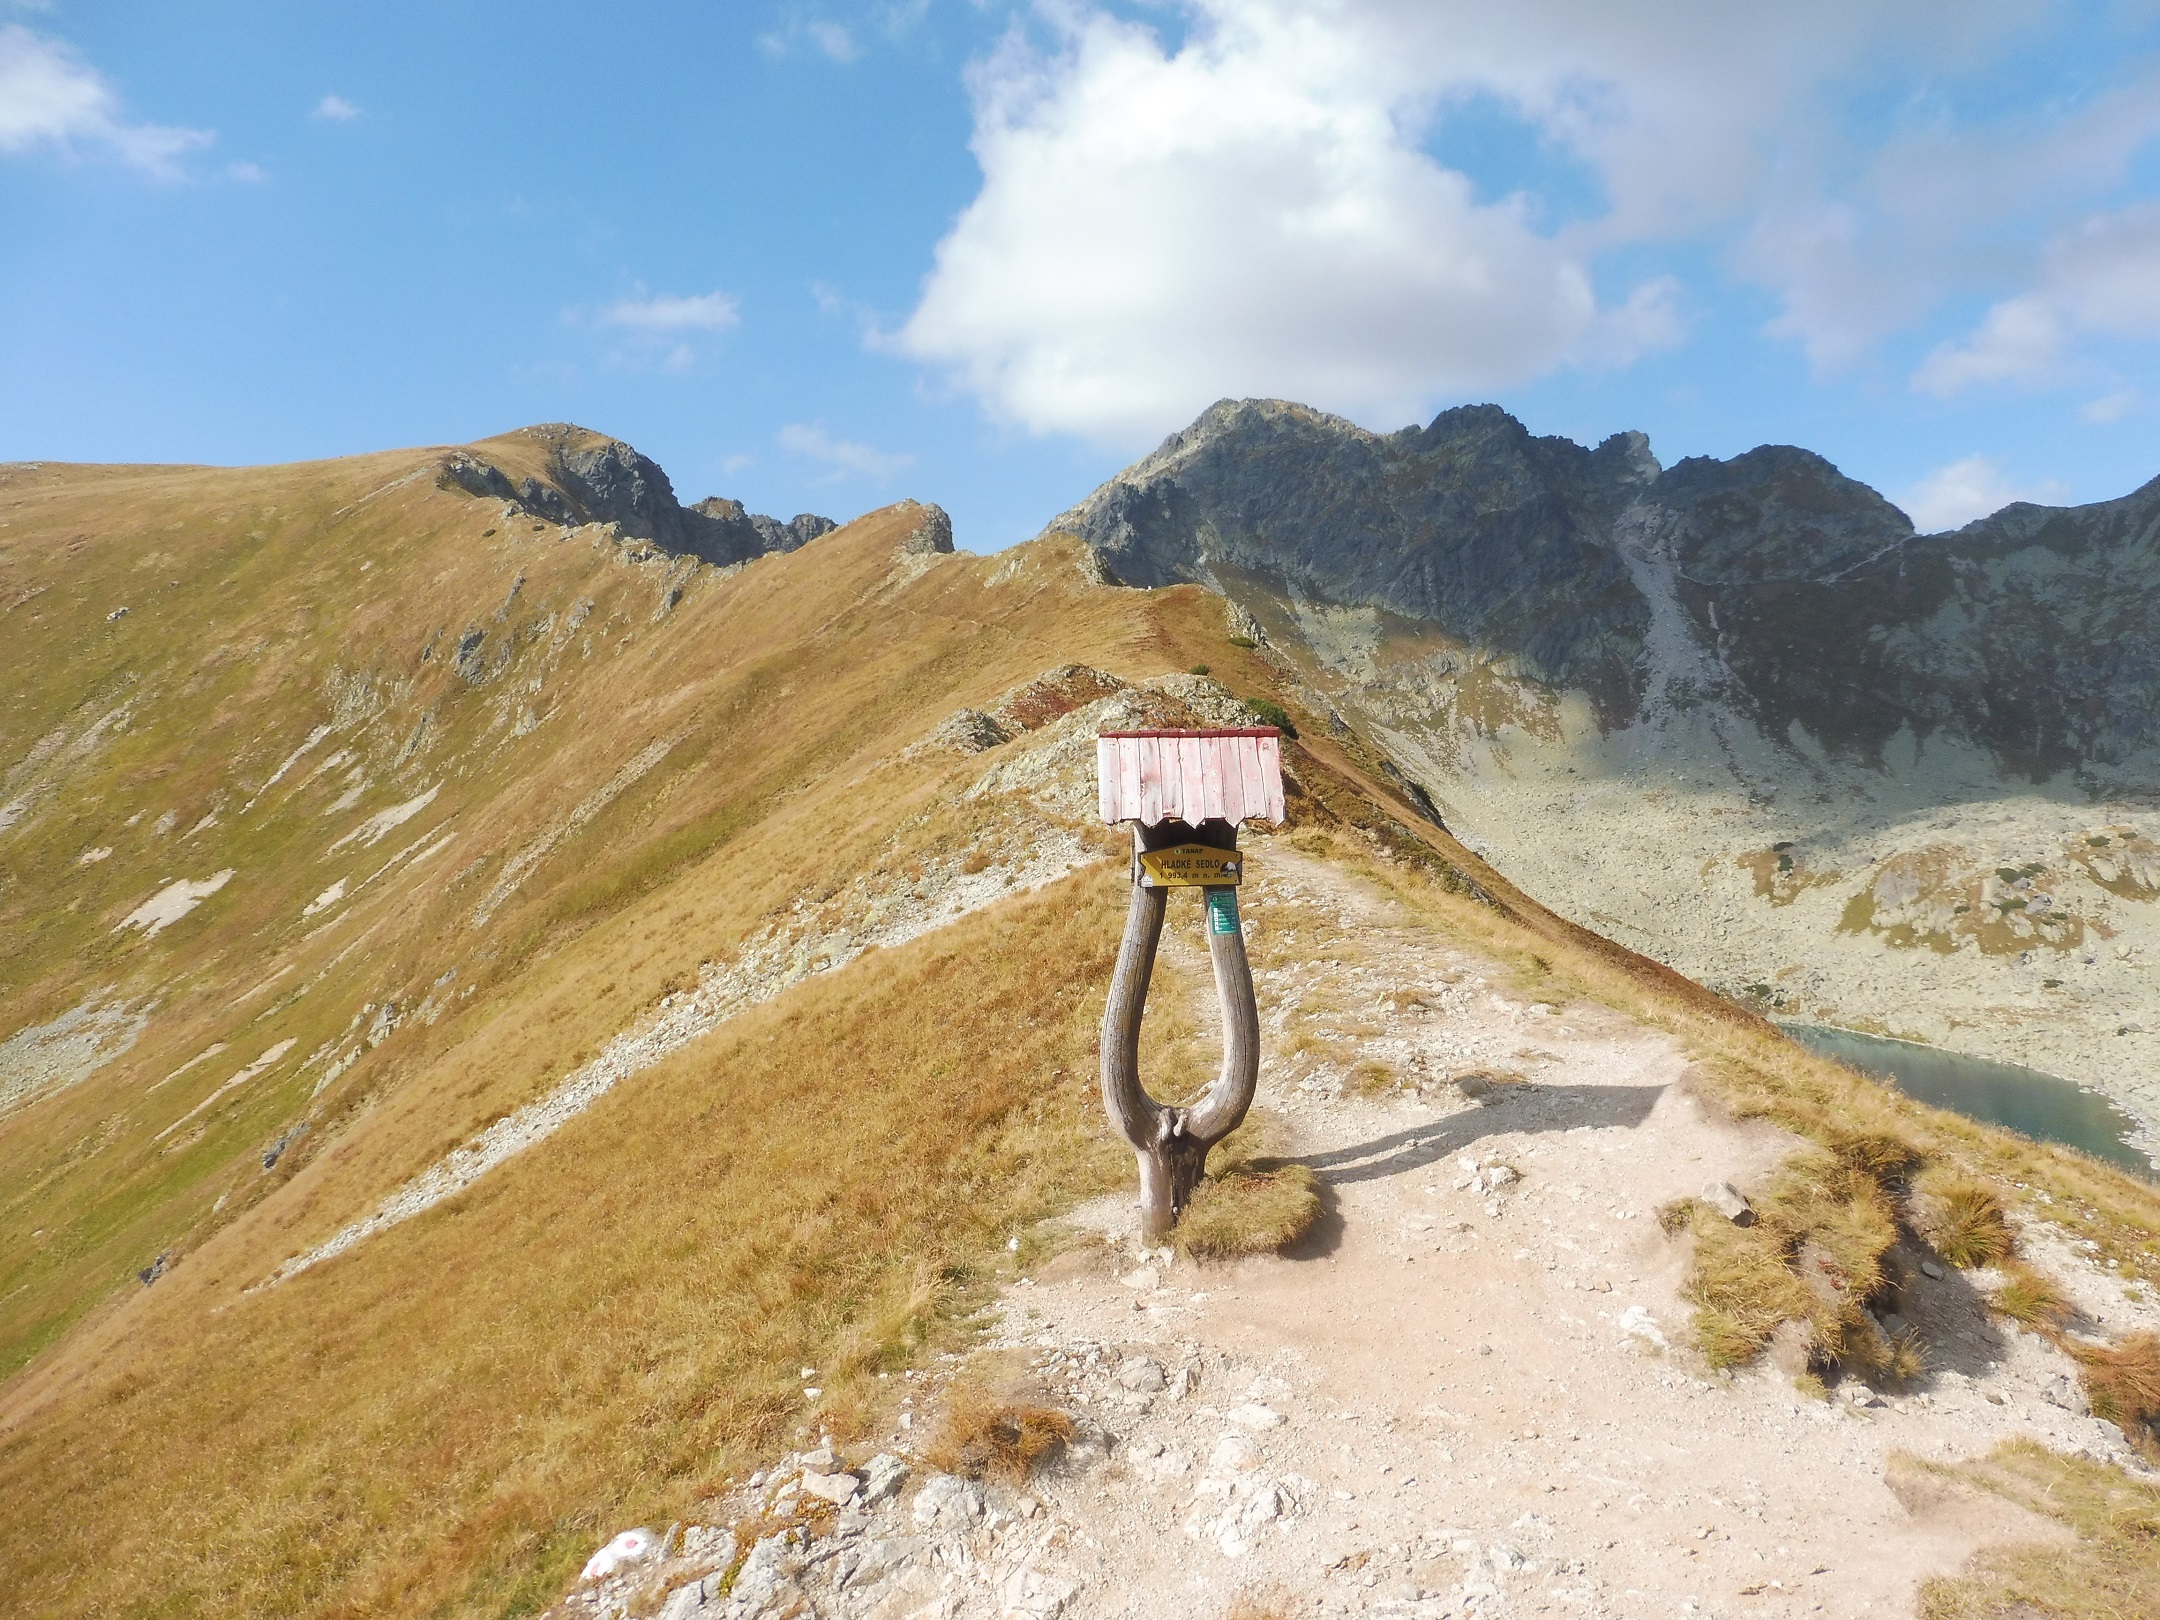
589	477
1520	544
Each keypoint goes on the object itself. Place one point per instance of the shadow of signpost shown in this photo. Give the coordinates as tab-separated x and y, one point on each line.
1524	1108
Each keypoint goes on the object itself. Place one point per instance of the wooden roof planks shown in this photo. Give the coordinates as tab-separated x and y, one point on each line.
1190	776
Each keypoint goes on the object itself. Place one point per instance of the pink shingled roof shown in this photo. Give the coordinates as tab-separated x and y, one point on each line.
1190	776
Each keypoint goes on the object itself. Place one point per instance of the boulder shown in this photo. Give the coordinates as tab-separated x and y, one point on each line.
838	1489
1729	1202
1141	1376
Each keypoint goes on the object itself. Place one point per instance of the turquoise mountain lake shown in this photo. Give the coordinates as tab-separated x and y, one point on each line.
2045	1107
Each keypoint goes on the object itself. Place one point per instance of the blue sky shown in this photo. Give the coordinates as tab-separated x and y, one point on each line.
821	254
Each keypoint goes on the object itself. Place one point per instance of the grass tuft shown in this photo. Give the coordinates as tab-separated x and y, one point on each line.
2111	1570
984	1436
2030	1300
1261	1206
1964	1220
2123	1384
1816	1254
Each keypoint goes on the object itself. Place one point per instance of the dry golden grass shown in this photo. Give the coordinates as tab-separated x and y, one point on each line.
1815	1254
1370	1078
2123	1382
1260	1206
1253	1201
1963	1219
2110	1572
2029	1299
609	1323
983	1434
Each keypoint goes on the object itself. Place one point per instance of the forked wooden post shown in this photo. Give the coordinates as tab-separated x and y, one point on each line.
1185	793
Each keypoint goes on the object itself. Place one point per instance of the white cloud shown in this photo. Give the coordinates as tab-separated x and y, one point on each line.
2112	406
252	174
1951	497
834	40
1243	215
841	41
1260	197
844	457
706	312
337	109
2100	279
50	97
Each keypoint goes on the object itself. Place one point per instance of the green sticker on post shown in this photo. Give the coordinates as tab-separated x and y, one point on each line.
1222	911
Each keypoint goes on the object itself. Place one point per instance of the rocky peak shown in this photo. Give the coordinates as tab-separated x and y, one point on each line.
596	479
1804	595
932	533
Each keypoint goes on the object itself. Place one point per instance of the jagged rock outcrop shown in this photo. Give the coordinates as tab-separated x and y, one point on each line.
1804	596
753	533
932	534
595	479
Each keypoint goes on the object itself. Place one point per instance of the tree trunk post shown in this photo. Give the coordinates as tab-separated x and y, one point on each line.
1172	1144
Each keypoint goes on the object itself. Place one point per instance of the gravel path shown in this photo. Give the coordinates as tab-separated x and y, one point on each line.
1466	1396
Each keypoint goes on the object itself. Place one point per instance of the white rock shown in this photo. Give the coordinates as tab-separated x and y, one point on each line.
1233	1454
1142	1376
838	1489
1142	1278
882	1477
1252	1415
947	1502
1499	1176
1029	1595
1637	1323
631	1547
2061	1389
687	1602
759	1579
1729	1202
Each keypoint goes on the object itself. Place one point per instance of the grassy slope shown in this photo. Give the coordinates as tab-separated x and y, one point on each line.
441	1421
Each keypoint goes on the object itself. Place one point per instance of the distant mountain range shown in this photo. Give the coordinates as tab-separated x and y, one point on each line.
1738	714
1799	594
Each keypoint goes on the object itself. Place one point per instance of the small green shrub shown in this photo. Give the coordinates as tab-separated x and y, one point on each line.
1198	669
1273	714
1242	641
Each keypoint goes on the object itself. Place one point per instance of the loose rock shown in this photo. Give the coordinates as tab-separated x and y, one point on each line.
1729	1202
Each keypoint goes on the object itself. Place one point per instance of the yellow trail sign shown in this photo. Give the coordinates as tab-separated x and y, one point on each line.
1190	866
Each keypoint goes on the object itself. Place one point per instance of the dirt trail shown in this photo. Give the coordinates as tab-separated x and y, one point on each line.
1469	1394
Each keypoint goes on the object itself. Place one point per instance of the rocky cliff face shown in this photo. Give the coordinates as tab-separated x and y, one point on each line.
1736	714
595	479
1803	596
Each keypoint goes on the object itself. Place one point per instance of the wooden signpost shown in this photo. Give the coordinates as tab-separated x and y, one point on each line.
1185	794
